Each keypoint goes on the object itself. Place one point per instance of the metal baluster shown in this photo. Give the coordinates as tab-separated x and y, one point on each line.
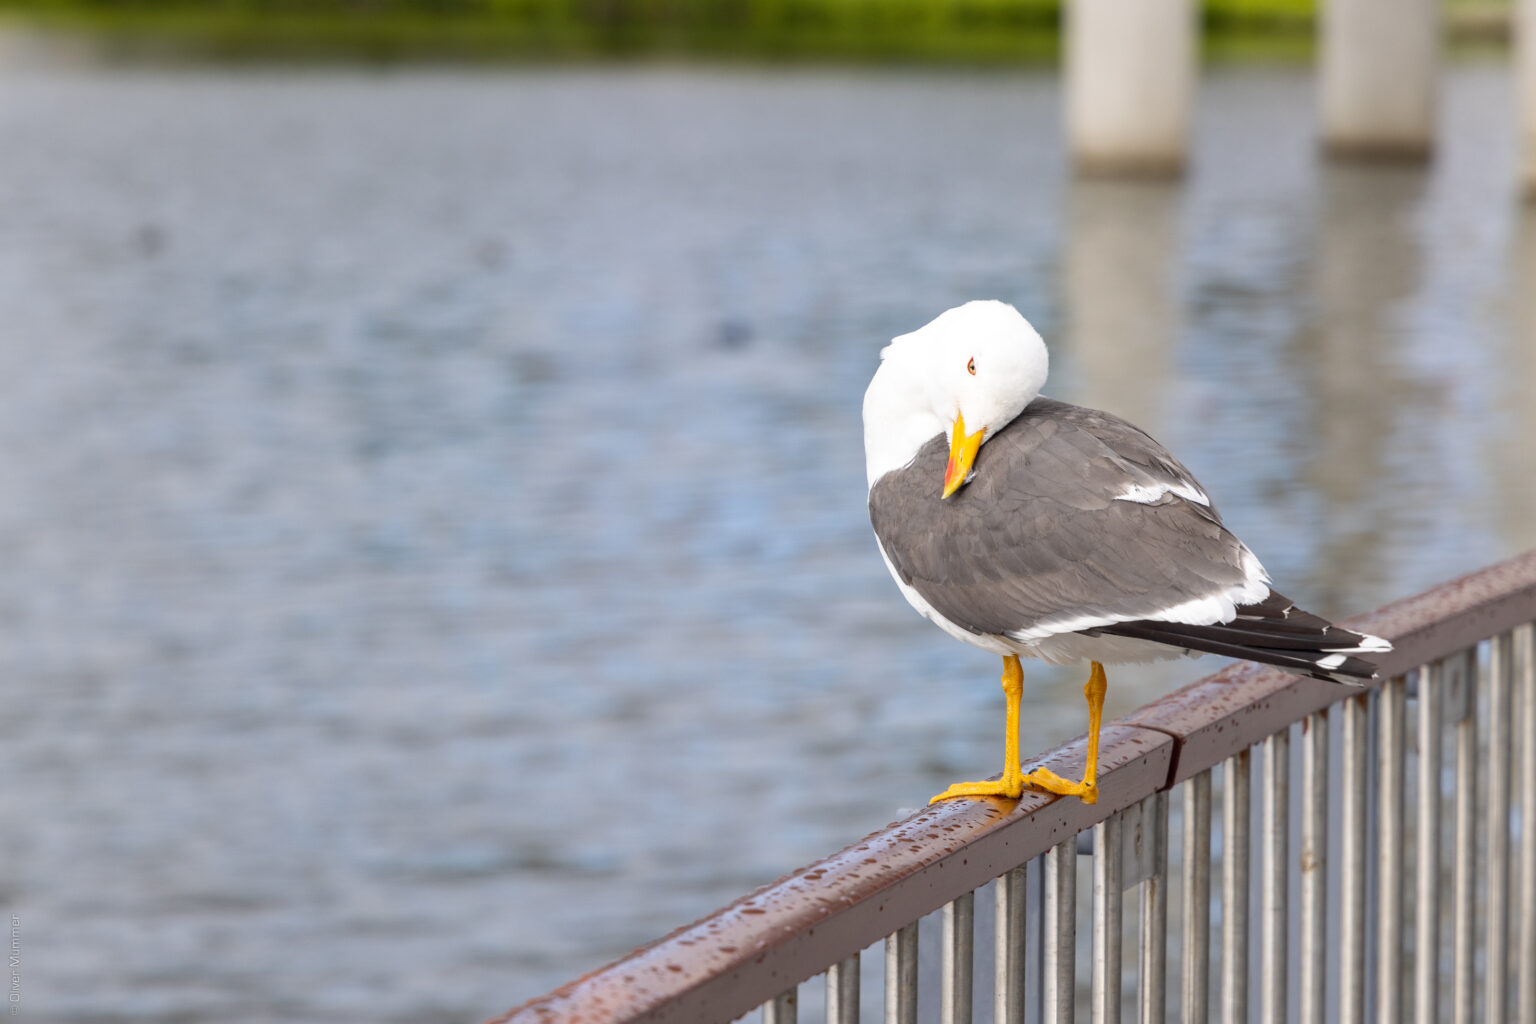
1107	855
781	1009
1034	941
1426	926
1352	866
1236	799
1059	973
1154	916
1389	832
1314	867
1276	812
843	992
1197	899
1465	879
958	960
901	975
1525	681
1008	967
1496	945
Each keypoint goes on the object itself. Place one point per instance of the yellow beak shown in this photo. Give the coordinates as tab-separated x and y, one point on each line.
962	452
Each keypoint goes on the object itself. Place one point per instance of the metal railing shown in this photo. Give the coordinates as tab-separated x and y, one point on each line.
1387	877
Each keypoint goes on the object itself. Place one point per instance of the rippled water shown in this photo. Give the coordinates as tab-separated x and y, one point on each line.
434	549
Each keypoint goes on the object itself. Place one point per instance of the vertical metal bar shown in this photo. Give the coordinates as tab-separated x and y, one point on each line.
1034	940
1496	945
1107	855
781	1009
1426	904
1276	821
1465	878
1352	864
958	960
1154	918
1059	975
901	975
843	992
1235	805
1389	831
1197	899
1314	867
1008	967
1525	680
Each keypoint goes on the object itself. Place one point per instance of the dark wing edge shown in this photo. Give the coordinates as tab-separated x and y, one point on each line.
1273	632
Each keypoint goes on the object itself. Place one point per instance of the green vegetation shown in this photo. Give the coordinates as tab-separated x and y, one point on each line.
946	31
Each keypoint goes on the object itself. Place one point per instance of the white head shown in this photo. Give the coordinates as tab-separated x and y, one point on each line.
968	372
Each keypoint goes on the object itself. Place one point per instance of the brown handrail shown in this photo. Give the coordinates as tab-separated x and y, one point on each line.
740	956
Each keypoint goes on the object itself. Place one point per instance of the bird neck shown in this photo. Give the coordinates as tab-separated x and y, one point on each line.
898	421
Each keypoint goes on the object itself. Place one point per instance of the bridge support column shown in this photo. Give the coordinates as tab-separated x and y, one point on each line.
1130	84
1379	61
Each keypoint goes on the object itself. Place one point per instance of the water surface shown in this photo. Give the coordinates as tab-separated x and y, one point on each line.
434	548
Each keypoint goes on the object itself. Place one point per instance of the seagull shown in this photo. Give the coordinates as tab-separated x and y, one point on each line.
1033	528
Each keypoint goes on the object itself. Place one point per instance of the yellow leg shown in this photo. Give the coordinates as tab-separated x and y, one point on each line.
1012	783
1088	789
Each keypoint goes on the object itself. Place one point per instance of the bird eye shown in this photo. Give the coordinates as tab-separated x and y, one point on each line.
970	367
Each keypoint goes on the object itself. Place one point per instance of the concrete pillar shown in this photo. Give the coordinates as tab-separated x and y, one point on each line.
1525	83
1130	84
1379	64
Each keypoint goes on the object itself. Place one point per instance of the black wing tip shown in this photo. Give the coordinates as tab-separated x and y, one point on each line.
1323	651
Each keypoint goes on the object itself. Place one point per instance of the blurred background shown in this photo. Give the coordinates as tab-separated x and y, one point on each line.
433	548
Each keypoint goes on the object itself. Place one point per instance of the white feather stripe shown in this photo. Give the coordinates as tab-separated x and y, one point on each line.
1150	494
1368	645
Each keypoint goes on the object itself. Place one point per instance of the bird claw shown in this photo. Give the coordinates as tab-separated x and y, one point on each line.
1011	786
1049	782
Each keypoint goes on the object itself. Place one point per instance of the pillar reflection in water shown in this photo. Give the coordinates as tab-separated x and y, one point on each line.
1514	469
1368	262
1122	317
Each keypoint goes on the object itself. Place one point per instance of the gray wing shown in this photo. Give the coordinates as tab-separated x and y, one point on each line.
1043	534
